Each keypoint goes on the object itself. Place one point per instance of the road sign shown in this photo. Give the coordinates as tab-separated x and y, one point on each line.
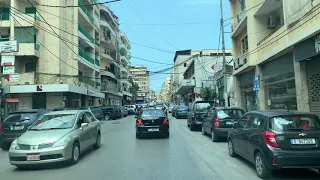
256	82
212	67
9	46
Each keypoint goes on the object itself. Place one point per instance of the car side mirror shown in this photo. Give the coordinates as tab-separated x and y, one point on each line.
83	125
235	126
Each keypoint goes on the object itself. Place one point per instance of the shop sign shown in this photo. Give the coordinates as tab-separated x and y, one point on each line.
8	69
188	82
90	92
7	60
307	48
9	46
256	82
13	78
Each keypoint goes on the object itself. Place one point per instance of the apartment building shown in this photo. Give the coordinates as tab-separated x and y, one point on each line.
125	73
45	72
195	69
110	57
276	41
165	93
140	75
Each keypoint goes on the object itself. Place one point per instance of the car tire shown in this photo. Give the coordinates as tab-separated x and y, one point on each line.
75	153
5	146
191	127
166	135
98	142
203	131
138	136
262	170
214	138
231	148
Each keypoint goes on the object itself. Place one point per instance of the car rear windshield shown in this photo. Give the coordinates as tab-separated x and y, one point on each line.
14	117
152	112
230	113
204	106
295	122
183	108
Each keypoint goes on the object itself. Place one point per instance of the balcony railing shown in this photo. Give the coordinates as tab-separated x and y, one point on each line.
97	42
87	80
85	33
86	56
85	10
97	62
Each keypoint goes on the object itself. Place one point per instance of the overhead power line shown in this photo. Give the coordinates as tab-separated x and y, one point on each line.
245	11
47	5
169	24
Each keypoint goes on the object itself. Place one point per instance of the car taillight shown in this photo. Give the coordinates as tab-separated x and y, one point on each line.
165	121
270	139
1	130
216	122
139	121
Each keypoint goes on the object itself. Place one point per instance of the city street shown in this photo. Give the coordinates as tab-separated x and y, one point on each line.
185	155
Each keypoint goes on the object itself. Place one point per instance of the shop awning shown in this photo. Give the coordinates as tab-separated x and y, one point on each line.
10	100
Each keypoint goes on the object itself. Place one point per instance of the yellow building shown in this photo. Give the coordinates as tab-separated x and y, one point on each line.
279	41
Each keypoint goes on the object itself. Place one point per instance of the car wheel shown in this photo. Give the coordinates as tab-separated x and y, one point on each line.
98	142
5	146
214	138
191	127
231	148
138	135
262	170
75	153
167	135
202	131
107	117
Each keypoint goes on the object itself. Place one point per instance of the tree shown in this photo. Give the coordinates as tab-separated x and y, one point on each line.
134	88
208	94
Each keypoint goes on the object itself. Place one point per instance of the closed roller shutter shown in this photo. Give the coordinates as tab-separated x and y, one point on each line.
313	78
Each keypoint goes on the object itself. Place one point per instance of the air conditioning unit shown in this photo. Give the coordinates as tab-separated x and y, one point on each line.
242	61
274	21
235	64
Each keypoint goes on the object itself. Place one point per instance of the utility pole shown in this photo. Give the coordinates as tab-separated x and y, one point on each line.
223	57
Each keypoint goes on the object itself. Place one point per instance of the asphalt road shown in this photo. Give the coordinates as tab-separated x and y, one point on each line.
185	155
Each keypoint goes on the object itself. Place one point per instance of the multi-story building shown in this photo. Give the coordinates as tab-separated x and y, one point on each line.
165	93
152	96
110	57
125	73
140	76
49	70
193	70
278	41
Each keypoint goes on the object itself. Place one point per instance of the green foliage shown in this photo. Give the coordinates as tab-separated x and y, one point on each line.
134	89
208	93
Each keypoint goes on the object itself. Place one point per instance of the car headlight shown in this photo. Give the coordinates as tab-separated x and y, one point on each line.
61	142
14	144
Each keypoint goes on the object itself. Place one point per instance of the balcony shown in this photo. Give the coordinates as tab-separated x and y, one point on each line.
127	93
87	81
185	86
241	23
27	49
86	12
106	24
25	78
97	62
87	60
268	7
85	33
107	73
110	42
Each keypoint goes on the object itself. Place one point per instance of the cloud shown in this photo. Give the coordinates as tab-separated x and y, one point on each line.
198	2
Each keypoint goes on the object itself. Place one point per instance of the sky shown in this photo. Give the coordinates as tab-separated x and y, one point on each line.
169	25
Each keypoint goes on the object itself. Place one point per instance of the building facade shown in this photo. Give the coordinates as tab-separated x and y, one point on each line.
194	70
283	54
140	76
165	93
47	72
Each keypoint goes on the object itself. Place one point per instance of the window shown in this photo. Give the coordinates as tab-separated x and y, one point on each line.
185	64
244	44
293	122
244	121
255	122
90	117
30	67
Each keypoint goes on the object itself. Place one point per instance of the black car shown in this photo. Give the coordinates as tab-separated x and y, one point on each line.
219	120
276	139
180	112
111	112
16	123
96	111
197	111
152	121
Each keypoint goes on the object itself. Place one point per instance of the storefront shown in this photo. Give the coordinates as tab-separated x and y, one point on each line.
112	99
308	52
248	94
279	83
51	96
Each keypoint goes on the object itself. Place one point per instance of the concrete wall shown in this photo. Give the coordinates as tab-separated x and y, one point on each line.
54	100
25	101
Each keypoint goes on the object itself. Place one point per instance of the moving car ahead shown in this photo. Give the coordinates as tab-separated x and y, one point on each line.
181	112
56	136
219	120
197	111
276	139
152	121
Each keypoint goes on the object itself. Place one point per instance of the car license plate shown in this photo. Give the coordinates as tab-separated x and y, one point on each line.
153	130
229	123
303	141
33	157
16	128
